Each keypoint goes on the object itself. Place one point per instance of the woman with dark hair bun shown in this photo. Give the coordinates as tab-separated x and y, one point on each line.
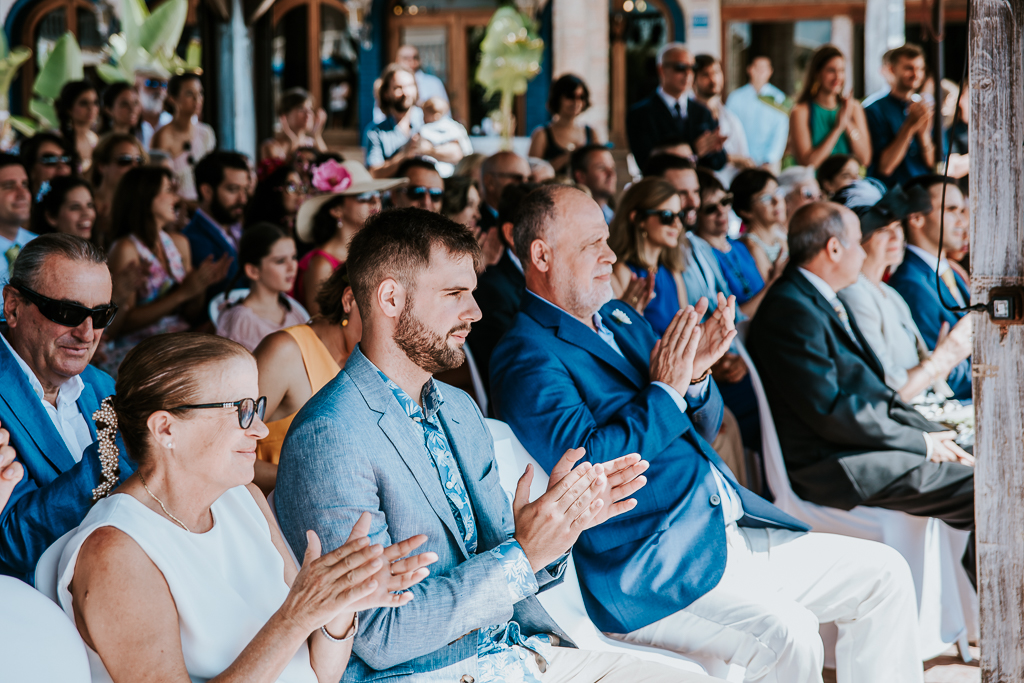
78	107
836	172
567	99
66	206
266	255
121	111
182	571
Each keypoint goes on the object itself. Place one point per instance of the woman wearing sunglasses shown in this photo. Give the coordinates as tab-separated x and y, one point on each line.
568	98
757	200
116	154
64	205
646	235
733	256
183	570
330	220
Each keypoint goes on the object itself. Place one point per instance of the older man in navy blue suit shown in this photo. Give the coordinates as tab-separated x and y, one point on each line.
701	565
56	305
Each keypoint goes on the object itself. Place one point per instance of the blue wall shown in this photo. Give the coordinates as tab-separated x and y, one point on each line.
537	91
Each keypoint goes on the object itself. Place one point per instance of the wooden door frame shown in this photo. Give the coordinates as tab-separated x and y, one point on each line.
28	32
314	74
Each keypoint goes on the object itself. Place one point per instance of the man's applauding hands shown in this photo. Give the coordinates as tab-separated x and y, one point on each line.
688	349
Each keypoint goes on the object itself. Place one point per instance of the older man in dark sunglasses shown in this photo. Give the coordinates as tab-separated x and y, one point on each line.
56	305
425	188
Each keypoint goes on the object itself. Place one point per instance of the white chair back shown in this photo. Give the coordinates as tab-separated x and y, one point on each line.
46	568
38	642
478	382
947	604
565	602
223	300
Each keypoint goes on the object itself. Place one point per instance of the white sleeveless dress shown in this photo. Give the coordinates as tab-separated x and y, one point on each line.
226	583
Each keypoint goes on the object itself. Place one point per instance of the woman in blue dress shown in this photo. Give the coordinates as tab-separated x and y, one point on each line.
645	236
734	258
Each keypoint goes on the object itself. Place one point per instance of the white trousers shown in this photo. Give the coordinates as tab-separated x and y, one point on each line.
568	665
777	587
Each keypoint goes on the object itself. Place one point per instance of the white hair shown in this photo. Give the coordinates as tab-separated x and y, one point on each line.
795	176
668	47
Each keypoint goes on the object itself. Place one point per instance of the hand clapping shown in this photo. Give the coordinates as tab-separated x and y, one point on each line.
10	470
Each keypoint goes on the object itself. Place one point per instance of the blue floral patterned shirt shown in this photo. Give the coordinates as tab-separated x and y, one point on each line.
503	651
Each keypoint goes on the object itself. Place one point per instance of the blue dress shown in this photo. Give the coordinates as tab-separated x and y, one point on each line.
665	303
740	271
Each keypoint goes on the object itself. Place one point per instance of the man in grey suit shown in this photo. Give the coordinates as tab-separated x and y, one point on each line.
384	437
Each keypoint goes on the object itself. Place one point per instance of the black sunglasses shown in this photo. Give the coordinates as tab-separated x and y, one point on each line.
418	192
128	160
68	313
710	207
666	217
680	67
247	409
54	160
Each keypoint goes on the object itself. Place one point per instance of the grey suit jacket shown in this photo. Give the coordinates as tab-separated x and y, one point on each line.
351	449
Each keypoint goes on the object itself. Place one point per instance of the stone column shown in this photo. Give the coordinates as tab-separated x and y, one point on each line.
842	37
581	46
884	29
236	99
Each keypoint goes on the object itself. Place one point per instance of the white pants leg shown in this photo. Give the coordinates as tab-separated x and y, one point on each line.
777	587
568	665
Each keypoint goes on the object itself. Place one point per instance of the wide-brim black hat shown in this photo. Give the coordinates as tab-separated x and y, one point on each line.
877	210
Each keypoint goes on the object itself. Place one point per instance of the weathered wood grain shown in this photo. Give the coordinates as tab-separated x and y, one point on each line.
997	257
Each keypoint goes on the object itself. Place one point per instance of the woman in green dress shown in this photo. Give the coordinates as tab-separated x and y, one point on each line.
824	121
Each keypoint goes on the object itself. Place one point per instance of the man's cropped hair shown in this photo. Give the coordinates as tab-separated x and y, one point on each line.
210	169
810	229
537	211
659	164
396	244
581	157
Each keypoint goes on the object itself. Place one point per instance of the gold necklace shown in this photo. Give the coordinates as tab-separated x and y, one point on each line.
162	506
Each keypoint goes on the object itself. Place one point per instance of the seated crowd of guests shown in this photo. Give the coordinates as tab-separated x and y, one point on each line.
249	390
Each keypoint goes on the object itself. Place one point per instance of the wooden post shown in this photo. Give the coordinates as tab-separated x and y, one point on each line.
997	258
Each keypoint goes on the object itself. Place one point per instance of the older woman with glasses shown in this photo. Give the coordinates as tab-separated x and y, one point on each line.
115	155
645	235
182	572
568	98
737	264
329	221
756	198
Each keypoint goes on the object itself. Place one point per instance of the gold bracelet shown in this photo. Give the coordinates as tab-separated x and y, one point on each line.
701	378
348	636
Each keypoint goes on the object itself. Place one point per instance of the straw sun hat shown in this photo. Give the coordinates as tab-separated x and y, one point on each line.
349	178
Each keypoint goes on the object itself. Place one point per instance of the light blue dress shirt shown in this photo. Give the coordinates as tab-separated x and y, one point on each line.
767	128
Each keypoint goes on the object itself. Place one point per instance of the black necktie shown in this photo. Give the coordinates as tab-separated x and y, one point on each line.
679	114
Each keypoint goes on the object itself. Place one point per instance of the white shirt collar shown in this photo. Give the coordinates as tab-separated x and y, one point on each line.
670	101
67	394
929	259
823	287
515	260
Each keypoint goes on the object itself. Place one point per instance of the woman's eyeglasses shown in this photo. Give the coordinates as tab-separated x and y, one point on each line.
770	197
54	160
666	217
724	203
68	313
292	188
128	160
247	409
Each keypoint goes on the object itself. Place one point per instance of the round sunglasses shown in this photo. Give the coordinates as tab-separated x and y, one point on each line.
69	313
247	408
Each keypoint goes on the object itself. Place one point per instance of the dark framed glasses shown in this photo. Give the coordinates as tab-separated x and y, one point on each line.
69	313
247	408
679	67
128	160
711	207
666	217
419	192
54	160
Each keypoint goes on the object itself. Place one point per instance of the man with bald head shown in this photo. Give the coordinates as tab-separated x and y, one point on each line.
671	113
847	437
496	173
701	566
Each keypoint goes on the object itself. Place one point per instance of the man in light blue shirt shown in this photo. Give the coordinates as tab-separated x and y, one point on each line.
766	125
15	208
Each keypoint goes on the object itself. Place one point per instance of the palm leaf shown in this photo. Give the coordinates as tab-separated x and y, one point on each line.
161	32
25	126
62	66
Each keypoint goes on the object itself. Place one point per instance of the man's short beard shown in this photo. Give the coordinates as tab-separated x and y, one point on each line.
221	213
426	348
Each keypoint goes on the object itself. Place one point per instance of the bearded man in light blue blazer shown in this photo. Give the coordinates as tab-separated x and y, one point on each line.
700	566
385	437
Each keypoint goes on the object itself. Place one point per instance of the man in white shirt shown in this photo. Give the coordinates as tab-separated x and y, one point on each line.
15	207
56	305
427	85
708	85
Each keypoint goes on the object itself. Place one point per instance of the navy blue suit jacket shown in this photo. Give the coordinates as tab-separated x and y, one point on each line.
560	386
206	239
649	123
55	493
915	282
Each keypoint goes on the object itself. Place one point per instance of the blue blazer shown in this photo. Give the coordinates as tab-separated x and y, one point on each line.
352	448
56	492
560	386
206	239
915	282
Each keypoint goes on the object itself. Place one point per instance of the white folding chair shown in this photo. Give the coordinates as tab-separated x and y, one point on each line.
38	642
46	569
947	603
565	602
223	300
